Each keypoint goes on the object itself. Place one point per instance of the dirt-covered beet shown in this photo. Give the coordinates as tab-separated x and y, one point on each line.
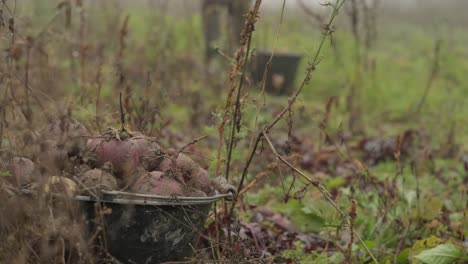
126	155
60	185
158	183
201	181
184	165
193	192
98	178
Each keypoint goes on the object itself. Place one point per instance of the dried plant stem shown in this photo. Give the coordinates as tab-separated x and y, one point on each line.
82	51
123	127
315	183
352	220
2	117
193	142
327	31
240	62
253	182
28	111
119	62
312	66
236	115
98	83
432	76
268	64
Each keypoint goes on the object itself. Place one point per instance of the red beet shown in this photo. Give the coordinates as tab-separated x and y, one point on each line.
201	181
157	183
183	164
125	155
93	178
193	192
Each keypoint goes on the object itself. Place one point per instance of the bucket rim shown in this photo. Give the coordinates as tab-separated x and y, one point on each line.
128	198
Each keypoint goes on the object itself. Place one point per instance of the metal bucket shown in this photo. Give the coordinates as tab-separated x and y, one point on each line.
143	229
281	74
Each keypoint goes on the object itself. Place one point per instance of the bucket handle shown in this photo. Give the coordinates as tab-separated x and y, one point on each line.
220	183
223	190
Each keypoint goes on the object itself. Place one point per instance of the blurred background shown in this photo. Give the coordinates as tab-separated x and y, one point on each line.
165	48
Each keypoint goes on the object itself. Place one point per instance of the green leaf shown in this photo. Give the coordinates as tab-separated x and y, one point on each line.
442	254
305	217
335	183
423	244
402	258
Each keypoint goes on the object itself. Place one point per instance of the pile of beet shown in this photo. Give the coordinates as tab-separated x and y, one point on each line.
71	160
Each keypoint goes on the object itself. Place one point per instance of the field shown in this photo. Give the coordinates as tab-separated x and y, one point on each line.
363	160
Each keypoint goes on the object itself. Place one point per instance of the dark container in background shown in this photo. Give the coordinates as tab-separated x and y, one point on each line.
281	74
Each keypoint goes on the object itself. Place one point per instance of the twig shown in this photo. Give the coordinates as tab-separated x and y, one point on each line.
253	182
268	64
432	76
315	183
122	114
240	60
327	31
352	220
236	116
82	79
98	83
193	142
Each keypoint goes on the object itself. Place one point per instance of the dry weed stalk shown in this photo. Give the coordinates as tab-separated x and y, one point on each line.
268	64
328	30
240	63
435	68
352	221
353	97
82	45
121	78
98	84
